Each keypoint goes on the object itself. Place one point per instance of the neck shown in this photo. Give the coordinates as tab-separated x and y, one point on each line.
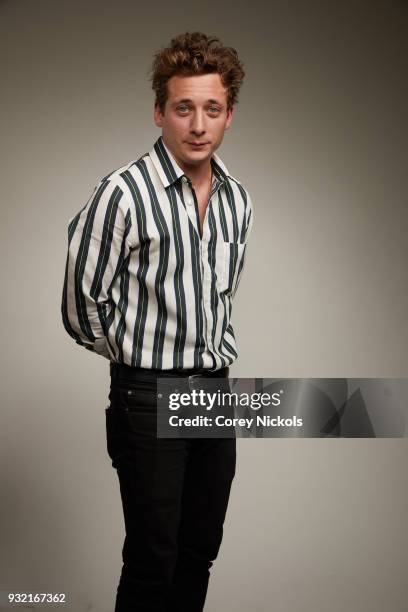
199	174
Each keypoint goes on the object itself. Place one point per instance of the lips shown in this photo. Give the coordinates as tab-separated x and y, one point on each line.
198	144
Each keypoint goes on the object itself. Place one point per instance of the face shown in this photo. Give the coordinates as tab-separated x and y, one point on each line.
195	118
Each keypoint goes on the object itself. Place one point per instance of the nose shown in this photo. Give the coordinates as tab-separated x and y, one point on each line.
197	123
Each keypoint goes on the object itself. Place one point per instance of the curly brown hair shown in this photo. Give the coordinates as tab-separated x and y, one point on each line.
192	54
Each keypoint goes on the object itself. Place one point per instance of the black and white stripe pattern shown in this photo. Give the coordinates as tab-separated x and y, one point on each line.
142	285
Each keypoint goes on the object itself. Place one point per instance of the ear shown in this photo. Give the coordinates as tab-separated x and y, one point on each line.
158	117
230	114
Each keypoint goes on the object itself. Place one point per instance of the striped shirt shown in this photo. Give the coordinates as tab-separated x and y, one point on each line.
143	284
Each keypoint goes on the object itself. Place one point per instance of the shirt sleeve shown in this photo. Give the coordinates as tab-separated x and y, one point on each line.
247	228
98	248
249	217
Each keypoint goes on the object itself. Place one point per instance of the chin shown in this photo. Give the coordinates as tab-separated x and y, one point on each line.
198	155
191	156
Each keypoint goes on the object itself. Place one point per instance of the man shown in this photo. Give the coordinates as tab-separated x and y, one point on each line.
154	261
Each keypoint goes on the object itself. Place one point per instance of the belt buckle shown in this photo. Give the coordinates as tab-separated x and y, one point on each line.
189	380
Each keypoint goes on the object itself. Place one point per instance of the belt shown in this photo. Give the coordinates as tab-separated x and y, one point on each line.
124	371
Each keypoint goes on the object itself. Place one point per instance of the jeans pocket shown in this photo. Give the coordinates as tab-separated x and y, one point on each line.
114	434
134	408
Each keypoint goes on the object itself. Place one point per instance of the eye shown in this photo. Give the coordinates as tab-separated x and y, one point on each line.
214	109
182	108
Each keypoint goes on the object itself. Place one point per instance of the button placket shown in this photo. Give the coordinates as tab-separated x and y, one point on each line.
189	201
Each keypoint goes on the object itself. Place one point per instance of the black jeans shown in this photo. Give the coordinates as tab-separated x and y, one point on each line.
175	494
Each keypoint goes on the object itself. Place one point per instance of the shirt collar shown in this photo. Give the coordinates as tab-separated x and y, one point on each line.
168	169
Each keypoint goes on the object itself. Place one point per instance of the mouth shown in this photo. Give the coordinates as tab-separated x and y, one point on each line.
198	145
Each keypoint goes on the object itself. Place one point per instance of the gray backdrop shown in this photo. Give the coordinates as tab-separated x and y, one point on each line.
319	139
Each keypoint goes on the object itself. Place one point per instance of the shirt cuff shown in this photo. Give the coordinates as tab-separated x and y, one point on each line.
101	347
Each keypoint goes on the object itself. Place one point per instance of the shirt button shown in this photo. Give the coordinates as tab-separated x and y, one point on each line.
184	179
190	202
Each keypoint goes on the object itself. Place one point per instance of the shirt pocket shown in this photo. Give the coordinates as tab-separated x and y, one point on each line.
230	263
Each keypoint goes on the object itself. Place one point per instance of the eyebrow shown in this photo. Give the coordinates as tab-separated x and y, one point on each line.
211	100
